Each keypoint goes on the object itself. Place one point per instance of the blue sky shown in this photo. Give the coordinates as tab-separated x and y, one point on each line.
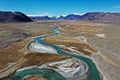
59	7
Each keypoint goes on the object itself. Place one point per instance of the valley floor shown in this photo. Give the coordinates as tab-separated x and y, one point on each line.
99	41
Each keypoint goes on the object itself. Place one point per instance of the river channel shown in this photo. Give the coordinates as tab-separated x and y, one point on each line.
93	73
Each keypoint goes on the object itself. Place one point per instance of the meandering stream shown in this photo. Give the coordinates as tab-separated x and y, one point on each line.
93	73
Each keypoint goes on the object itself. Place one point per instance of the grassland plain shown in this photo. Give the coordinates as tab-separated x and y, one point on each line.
105	51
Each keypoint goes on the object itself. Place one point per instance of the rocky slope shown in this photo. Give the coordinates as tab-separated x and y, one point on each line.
102	17
7	16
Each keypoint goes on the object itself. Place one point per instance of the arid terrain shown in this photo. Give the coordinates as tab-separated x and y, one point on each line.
99	41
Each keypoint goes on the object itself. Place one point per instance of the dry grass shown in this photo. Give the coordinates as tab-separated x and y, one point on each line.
40	58
36	77
11	54
16	32
71	42
17	51
82	27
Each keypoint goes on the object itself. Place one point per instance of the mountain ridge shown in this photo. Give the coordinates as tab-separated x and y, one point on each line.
8	16
106	17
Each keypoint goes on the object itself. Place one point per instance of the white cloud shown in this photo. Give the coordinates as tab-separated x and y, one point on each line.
79	13
72	13
51	15
116	7
46	14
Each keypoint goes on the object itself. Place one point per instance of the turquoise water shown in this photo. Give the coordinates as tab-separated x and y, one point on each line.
92	75
45	72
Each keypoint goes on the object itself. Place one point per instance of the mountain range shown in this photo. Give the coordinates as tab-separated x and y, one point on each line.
106	17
